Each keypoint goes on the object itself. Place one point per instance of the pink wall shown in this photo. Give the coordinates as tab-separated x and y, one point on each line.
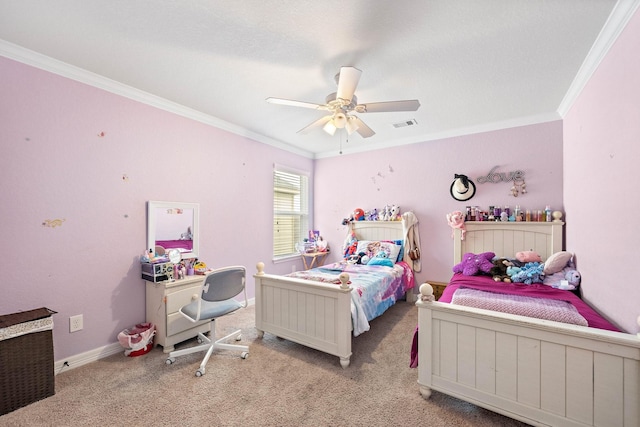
418	177
55	166
601	152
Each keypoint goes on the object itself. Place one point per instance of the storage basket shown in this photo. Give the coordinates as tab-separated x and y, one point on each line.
26	358
137	340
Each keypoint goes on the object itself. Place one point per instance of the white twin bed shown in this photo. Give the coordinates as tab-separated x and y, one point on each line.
537	371
319	315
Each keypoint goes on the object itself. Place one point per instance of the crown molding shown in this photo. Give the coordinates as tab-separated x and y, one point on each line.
617	21
452	133
46	63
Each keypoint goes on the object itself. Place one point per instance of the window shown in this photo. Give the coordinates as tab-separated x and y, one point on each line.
290	211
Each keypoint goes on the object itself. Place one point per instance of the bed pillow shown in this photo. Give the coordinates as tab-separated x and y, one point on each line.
372	247
557	262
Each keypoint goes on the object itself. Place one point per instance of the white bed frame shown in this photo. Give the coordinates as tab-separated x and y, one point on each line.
537	371
314	314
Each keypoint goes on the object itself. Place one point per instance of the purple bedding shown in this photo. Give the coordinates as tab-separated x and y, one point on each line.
536	290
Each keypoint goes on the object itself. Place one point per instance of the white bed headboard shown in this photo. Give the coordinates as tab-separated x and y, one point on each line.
378	230
505	239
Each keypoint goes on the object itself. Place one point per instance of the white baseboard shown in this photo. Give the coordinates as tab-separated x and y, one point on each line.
94	355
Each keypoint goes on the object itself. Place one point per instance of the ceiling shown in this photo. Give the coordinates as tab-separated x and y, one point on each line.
474	65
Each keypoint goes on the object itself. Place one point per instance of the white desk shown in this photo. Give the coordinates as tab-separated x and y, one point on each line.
164	299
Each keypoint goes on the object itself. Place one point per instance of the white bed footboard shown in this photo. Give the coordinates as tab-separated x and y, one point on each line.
537	371
313	314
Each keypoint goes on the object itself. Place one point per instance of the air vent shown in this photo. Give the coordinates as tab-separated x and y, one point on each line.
405	123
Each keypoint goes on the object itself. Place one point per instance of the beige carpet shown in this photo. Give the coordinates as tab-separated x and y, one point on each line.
280	384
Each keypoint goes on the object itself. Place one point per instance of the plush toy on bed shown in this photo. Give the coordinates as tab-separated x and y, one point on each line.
474	264
381	258
560	271
372	215
528	256
499	270
531	272
456	220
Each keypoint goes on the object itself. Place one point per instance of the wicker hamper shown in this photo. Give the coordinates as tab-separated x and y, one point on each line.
26	358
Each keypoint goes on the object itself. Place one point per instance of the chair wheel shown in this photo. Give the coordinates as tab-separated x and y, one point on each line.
244	354
169	361
239	337
199	373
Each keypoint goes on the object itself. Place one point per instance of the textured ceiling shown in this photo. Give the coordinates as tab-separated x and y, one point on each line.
472	64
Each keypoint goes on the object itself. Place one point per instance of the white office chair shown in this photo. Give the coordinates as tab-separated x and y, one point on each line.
219	288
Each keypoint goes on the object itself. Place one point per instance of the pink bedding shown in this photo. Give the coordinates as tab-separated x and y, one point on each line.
536	290
175	244
539	308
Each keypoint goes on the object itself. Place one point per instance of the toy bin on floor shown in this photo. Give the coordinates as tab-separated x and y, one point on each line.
26	358
138	339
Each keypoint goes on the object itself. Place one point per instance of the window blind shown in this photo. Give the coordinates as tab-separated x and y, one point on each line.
290	211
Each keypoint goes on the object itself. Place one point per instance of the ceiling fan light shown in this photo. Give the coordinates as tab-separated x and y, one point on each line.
339	120
329	128
351	125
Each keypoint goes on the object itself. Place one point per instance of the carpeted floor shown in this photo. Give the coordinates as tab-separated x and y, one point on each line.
279	384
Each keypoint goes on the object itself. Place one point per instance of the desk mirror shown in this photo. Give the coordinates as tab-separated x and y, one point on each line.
173	225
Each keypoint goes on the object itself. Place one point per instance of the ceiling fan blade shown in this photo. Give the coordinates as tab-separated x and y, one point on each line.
292	103
347	82
364	130
315	125
381	107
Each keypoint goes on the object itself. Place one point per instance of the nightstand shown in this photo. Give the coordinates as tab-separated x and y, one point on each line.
164	300
317	259
438	288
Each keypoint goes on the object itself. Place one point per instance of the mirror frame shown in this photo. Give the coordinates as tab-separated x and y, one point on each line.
153	206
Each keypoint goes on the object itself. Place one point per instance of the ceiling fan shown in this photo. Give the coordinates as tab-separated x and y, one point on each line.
342	103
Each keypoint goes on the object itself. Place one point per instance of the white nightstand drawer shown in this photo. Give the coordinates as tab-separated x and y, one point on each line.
177	323
176	300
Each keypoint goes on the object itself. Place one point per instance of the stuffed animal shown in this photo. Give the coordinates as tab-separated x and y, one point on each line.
356	258
512	271
350	245
456	220
385	213
358	215
528	256
531	272
372	215
499	270
381	258
394	213
568	278
474	264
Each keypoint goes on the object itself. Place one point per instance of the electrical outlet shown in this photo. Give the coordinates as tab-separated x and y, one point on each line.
75	323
